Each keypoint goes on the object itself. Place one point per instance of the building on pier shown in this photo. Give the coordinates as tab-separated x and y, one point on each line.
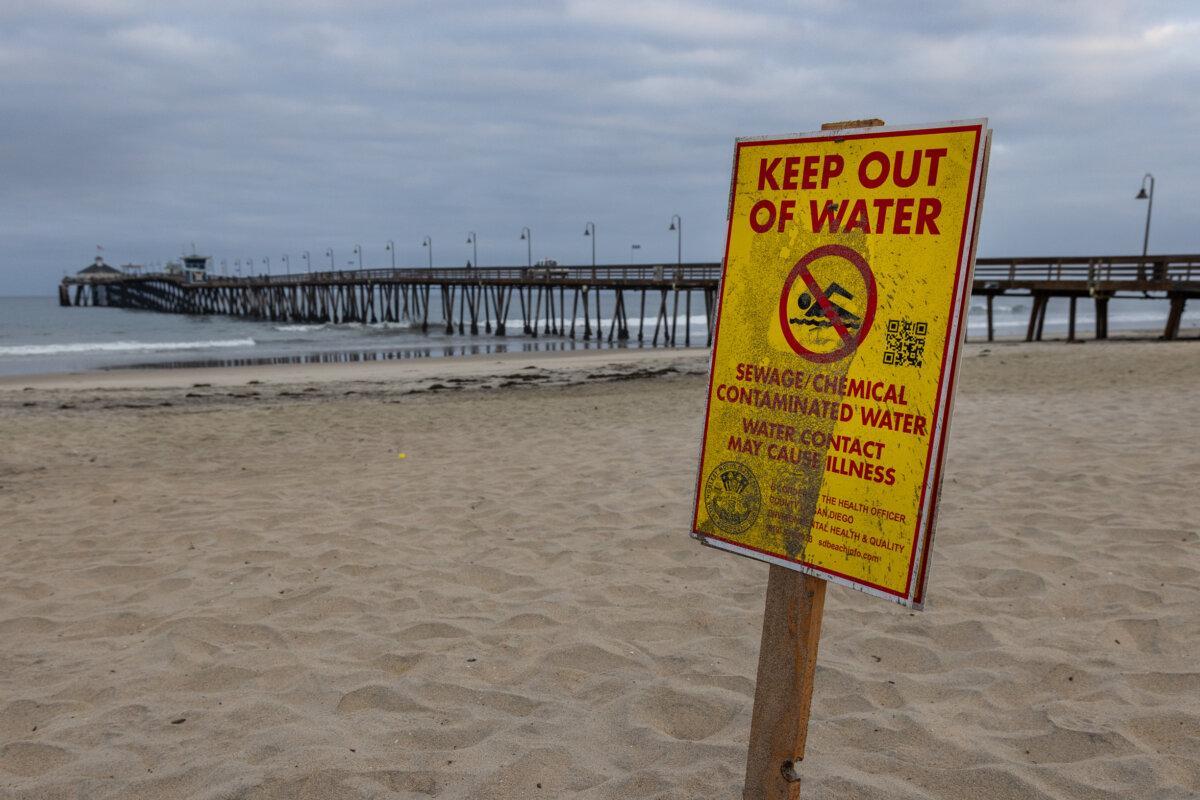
195	268
99	268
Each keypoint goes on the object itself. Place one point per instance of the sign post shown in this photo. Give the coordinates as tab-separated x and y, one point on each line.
787	660
842	313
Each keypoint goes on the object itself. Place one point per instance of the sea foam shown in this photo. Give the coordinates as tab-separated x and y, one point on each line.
117	347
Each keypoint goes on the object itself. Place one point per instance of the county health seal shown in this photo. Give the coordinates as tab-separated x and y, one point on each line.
732	497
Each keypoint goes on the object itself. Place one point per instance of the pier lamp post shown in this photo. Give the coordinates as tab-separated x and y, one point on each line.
307	261
267	264
391	248
237	266
677	226
1149	198
428	242
287	263
473	240
633	247
527	238
589	229
358	251
329	252
224	267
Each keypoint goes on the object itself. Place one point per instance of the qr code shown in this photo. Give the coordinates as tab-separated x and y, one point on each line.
905	343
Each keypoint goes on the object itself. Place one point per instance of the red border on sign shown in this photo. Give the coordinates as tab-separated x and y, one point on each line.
949	358
919	594
947	352
849	344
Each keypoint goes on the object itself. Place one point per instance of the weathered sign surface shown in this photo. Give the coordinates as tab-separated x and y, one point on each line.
843	301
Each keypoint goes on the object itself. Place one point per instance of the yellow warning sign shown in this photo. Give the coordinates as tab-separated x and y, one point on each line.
842	310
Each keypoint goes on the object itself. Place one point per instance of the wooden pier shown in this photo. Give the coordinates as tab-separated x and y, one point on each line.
480	300
467	300
1175	278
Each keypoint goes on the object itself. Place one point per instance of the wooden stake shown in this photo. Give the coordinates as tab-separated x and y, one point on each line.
851	123
787	661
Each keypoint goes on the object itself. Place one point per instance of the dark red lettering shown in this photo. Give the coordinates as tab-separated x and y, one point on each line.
875	157
831	214
791	168
904	181
766	174
809	179
859	218
785	212
882	205
833	166
934	157
904	211
762	205
927	214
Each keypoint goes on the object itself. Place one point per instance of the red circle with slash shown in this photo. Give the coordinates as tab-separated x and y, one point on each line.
850	341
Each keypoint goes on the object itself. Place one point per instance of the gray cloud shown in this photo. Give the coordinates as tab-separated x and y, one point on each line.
259	129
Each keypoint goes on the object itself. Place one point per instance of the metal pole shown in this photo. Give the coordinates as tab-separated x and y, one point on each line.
1149	209
589	229
677	226
391	246
1141	195
527	235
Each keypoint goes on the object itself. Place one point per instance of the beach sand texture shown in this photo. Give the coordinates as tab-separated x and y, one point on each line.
253	596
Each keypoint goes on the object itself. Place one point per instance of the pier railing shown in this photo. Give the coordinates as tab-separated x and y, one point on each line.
1094	269
601	273
1155	268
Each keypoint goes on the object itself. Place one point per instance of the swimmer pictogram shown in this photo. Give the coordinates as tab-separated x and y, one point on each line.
814	313
847	312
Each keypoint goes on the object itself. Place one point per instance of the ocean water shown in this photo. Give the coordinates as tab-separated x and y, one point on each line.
39	336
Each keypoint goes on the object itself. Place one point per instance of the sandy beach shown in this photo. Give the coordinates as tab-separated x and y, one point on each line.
472	579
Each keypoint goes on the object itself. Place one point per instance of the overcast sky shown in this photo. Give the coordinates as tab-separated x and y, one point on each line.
258	129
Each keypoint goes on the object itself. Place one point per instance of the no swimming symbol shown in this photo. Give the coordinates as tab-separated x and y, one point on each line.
828	294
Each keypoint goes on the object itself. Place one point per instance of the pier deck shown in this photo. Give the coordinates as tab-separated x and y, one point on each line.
482	298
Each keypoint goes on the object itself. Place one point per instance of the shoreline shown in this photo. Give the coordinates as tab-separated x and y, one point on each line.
480	368
407	370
